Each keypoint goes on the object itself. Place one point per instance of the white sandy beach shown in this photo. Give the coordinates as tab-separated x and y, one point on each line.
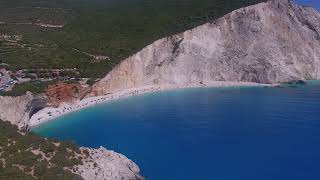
50	113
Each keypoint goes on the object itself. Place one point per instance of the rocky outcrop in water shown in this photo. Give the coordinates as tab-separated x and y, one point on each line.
271	42
108	165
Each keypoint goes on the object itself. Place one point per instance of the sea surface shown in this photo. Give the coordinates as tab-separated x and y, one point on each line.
208	133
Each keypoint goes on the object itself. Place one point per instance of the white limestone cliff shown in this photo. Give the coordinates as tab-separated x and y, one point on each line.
15	109
271	42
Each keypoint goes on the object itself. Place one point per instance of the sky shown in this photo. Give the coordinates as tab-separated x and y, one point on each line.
313	3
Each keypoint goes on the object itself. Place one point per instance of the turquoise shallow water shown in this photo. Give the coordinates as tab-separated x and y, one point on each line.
207	134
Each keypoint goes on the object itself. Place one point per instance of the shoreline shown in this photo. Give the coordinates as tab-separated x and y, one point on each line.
51	113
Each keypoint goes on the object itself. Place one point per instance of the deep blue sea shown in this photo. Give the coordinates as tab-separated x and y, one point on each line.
207	134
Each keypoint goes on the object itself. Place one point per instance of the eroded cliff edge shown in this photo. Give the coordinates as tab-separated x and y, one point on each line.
18	110
272	42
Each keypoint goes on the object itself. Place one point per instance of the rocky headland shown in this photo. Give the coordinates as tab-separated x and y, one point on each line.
24	155
99	164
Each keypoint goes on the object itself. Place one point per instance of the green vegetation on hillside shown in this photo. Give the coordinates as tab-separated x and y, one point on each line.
113	28
20	156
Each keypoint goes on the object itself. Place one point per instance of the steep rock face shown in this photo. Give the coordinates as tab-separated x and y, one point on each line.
18	110
14	109
275	41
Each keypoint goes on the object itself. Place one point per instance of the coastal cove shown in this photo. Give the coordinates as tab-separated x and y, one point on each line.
160	90
210	133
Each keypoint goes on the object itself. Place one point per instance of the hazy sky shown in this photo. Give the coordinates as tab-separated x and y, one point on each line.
314	3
